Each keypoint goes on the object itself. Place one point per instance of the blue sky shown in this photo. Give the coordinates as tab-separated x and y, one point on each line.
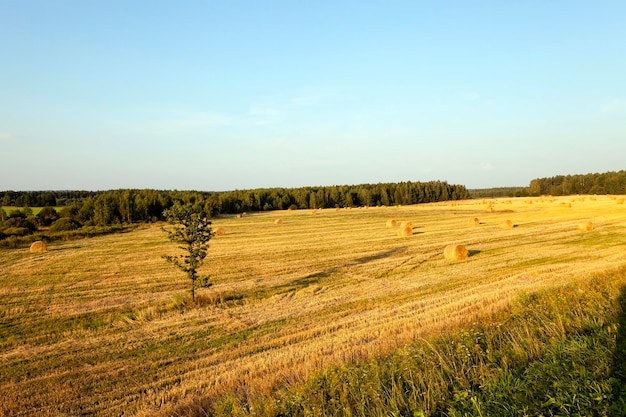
215	96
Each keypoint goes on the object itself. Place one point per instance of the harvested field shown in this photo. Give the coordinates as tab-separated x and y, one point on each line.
103	326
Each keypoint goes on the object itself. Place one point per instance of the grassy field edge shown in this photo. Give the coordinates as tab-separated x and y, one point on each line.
558	351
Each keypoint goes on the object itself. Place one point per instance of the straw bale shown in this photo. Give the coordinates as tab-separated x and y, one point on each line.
391	223
219	231
38	246
405	231
473	222
585	227
278	221
507	224
455	252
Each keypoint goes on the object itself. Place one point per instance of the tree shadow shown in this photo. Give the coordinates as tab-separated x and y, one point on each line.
618	371
316	277
377	256
63	248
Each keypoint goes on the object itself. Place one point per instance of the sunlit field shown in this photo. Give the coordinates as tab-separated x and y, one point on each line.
104	326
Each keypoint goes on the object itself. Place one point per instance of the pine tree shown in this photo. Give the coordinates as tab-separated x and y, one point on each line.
192	231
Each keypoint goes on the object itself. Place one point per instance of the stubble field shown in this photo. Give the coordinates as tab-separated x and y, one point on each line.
104	326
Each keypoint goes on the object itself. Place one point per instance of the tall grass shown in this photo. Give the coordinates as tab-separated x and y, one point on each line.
554	352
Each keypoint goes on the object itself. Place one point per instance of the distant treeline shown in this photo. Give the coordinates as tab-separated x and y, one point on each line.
613	182
499	192
131	206
606	183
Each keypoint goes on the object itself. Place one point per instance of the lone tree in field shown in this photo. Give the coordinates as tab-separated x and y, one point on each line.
192	230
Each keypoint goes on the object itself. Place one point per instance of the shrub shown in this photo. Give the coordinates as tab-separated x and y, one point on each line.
16	231
11	242
47	216
64	224
20	222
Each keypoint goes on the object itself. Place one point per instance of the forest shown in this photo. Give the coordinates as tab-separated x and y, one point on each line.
65	211
613	182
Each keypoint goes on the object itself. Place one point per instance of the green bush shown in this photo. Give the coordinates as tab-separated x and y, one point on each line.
16	231
10	242
64	224
47	216
19	223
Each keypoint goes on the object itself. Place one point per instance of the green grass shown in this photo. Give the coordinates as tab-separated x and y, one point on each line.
557	352
35	210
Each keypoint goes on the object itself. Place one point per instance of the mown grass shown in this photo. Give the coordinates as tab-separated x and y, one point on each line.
103	326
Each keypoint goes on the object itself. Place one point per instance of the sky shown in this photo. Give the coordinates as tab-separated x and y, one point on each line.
224	95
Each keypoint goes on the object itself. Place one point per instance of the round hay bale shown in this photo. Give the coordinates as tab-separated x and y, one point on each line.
406	224
473	222
455	252
38	246
507	224
391	223
278	221
585	227
220	231
405	231
620	201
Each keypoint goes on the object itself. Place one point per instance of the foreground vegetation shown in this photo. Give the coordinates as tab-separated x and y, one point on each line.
557	352
324	305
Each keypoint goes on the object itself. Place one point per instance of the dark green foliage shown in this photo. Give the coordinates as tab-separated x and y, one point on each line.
17	213
45	199
18	222
47	215
192	231
618	372
106	210
131	206
605	183
119	207
64	224
499	192
16	231
70	211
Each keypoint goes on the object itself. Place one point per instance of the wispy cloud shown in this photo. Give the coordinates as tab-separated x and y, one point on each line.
185	121
275	110
305	100
266	112
7	136
616	105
